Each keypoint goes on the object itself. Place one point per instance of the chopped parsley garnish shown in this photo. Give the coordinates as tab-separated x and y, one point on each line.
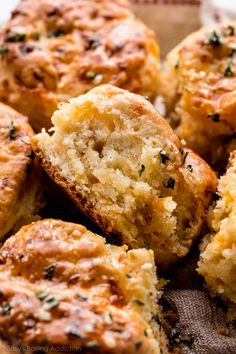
16	37
81	297
187	340
37	36
138	345
49	272
26	49
176	66
93	43
190	168
215	117
11	131
230	31
142	169
228	71
137	302
51	303
3	50
56	33
177	338
128	276
232	52
146	245
164	158
41	295
43	341
214	38
93	345
170	184
185	156
73	331
156	318
91	75
6	309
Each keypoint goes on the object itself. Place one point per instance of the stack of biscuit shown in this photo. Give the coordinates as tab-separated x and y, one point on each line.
86	73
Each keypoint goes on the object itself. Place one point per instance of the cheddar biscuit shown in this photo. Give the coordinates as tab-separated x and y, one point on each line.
123	166
63	287
52	51
20	189
218	257
199	87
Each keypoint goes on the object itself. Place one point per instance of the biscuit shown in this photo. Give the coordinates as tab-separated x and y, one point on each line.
123	166
21	193
218	257
52	51
63	287
199	87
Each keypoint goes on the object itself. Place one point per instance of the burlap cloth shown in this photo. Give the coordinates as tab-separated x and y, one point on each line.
197	322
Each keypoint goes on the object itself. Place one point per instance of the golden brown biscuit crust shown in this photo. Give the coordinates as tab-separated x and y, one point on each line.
199	86
61	285
54	51
15	164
